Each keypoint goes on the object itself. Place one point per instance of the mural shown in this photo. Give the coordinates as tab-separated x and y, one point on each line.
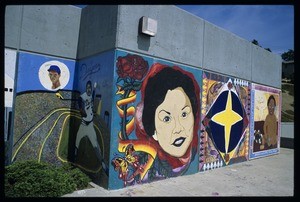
126	119
39	119
54	75
158	128
224	121
91	130
66	119
264	122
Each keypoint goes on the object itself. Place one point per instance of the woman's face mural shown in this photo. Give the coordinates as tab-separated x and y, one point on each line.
174	123
163	126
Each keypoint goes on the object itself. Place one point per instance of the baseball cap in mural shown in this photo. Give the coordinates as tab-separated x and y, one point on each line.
54	68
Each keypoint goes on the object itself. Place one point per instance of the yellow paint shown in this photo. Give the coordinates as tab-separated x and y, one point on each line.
35	128
227	118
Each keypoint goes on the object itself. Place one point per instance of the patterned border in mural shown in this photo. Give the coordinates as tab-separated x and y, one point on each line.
224	121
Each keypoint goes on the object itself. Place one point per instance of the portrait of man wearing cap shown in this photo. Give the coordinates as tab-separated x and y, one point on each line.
54	75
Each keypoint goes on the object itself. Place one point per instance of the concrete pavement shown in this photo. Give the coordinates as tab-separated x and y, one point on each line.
267	176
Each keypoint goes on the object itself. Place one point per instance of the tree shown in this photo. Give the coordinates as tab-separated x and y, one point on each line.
287	56
268	49
255	42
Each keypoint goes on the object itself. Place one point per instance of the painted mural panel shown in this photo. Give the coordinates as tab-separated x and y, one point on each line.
156	117
39	114
62	112
265	121
91	130
225	110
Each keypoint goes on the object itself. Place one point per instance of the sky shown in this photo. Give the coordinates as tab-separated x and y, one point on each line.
271	25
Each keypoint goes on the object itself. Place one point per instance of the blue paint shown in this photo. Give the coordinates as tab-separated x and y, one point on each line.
28	72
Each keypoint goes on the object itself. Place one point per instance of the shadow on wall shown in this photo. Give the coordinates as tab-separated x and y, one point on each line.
143	42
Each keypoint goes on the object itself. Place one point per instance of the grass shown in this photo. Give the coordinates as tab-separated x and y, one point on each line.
289	88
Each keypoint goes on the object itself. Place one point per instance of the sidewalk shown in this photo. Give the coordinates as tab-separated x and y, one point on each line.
267	176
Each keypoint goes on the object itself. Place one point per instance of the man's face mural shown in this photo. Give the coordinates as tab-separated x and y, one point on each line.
271	106
54	76
174	123
88	88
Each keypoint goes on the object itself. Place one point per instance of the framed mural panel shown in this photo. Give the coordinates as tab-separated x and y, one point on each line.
62	112
225	109
265	121
38	112
156	120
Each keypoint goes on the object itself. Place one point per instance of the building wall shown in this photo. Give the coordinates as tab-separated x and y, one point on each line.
9	82
288	127
97	31
287	135
91	43
10	67
188	39
265	63
43	29
179	35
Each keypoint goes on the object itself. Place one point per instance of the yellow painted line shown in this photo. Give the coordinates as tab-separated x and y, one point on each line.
46	118
67	110
49	133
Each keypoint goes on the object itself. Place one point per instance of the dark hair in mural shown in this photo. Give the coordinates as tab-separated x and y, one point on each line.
88	83
159	80
270	98
157	86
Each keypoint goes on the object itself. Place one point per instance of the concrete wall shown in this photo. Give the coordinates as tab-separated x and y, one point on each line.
266	67
9	66
80	35
287	130
13	22
188	39
44	29
226	53
97	29
287	135
68	31
179	35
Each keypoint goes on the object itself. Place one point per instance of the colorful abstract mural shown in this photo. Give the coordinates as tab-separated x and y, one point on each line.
224	121
157	105
264	121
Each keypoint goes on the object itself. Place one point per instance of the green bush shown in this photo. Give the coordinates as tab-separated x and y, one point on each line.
33	179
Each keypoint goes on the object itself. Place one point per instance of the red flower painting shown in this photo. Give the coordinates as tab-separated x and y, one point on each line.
132	66
131	69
